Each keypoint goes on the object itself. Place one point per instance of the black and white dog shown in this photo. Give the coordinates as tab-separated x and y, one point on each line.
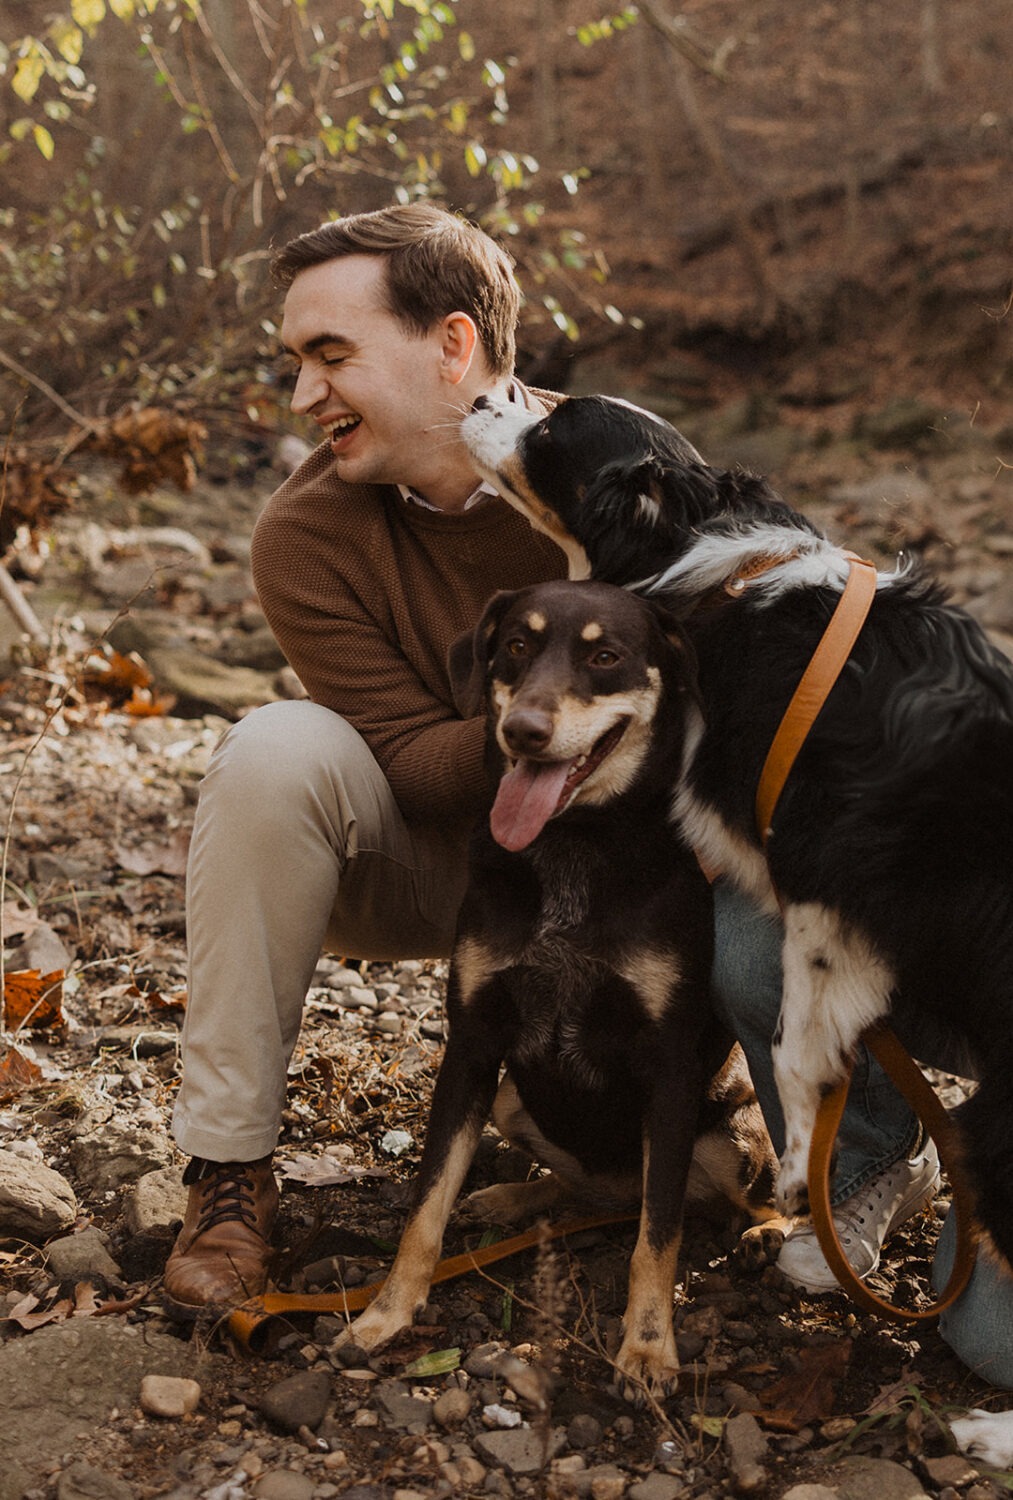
582	962
891	847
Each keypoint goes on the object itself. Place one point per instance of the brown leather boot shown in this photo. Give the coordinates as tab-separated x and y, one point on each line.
222	1253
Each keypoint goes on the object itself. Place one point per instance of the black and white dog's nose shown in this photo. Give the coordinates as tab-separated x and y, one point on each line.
481	403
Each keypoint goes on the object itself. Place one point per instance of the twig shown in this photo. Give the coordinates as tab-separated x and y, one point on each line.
24	615
47	390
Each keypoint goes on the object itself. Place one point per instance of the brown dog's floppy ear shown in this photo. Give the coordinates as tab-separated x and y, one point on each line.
674	633
468	657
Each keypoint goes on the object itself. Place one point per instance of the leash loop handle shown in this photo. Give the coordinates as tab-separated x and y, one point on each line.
813	689
908	1077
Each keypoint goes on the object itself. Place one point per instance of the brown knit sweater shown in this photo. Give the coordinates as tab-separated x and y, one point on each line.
365	591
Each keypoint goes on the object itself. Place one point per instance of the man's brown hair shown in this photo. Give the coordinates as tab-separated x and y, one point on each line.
436	264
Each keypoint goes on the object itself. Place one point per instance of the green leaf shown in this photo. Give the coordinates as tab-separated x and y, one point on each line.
44	141
440	1362
27	76
68	39
88	13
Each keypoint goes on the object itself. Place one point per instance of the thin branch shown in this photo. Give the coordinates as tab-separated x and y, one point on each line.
47	390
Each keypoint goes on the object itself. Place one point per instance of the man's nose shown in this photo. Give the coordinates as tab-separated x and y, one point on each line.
310	390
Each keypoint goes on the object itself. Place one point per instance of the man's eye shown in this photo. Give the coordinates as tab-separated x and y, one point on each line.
333	359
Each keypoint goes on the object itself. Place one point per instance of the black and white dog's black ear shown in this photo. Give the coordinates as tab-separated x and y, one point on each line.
469	656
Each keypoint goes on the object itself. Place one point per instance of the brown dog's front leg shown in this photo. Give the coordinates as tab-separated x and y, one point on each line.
462	1099
407	1287
648	1362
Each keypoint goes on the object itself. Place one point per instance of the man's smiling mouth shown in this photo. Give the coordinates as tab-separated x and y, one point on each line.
343	427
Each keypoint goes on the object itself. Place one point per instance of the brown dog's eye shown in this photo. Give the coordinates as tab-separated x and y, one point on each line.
518	646
604	658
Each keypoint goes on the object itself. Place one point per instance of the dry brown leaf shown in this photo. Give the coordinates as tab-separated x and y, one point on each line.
33	1000
153	445
807	1394
25	1316
16	1072
155	859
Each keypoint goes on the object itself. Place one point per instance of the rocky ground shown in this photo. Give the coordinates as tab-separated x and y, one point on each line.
506	1388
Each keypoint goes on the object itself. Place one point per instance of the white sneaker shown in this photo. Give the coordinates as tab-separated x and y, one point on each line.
863	1221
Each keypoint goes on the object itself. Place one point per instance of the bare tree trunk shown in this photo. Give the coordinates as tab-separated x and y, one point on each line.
932	70
707	139
546	107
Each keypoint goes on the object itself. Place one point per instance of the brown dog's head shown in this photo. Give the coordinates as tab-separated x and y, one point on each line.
585	686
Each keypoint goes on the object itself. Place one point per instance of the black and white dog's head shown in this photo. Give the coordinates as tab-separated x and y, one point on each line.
589	692
620	490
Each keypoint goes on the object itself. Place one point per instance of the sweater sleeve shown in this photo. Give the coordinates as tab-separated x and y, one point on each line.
342	646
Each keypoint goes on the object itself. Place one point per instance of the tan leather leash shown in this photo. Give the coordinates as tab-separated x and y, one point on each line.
247	1323
809	697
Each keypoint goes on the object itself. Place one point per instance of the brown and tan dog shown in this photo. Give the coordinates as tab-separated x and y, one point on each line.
582	961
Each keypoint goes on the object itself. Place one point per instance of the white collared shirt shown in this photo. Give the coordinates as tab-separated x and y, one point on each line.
485	491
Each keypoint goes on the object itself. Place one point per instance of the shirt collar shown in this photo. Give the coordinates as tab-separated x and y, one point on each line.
484	491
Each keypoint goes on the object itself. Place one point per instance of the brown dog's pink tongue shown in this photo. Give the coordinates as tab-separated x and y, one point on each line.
526	800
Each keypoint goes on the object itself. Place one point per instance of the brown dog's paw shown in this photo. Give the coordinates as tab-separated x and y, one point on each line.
647	1371
760	1244
513	1202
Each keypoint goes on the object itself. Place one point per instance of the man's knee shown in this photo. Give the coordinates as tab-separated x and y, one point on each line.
294	759
747	962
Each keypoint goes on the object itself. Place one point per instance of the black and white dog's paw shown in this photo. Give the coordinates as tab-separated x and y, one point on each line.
987	1435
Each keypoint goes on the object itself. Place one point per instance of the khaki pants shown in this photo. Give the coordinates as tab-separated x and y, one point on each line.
298	846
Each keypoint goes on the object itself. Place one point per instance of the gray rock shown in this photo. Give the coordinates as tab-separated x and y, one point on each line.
402	1408
602	1482
584	1431
452	1407
203	685
298	1401
62	1382
35	1201
481	1362
809	1492
119	1153
746	1447
520	1450
82	1482
169	1395
157	1200
877	1479
83	1257
284	1484
40	949
656	1487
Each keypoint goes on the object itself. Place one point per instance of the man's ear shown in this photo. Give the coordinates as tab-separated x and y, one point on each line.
459	342
469	656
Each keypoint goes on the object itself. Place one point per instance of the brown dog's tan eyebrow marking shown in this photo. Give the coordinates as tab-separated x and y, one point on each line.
535	620
592	631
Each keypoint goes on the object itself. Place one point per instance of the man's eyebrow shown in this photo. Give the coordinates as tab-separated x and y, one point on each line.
319	341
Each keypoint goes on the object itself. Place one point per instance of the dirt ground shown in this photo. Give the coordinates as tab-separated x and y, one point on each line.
100	803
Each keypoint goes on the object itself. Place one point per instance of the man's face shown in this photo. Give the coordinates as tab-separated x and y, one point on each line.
389	401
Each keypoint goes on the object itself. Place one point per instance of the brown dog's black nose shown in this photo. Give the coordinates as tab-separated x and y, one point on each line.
481	403
527	731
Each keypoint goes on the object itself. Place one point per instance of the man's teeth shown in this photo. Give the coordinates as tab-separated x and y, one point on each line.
343	424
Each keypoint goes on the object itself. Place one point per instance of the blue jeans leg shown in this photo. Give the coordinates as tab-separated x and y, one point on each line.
878	1125
979	1325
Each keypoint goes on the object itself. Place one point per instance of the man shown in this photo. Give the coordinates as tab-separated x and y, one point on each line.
343	821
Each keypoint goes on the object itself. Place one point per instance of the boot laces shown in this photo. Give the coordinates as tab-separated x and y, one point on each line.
227	1195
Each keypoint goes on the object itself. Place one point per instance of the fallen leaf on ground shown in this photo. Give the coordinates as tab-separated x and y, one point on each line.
151	858
807	1394
17	1072
33	999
